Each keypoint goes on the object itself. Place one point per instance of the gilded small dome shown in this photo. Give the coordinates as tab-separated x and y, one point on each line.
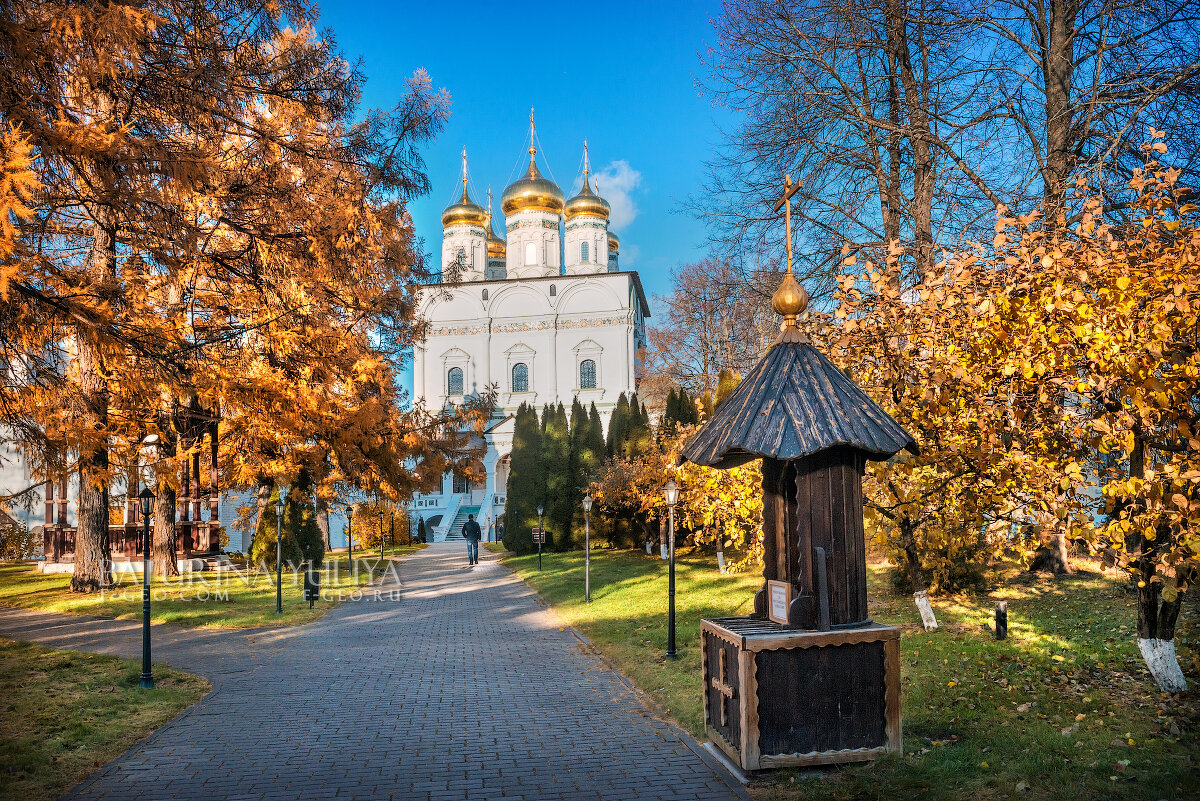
464	212
533	192
614	244
790	299
586	202
496	247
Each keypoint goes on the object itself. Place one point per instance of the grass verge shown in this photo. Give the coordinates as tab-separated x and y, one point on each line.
1063	709
66	713
234	599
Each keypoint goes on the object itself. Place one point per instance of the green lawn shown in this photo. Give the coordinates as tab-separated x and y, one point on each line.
225	600
65	714
1062	709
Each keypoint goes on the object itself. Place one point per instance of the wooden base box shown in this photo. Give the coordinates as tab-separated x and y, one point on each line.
776	696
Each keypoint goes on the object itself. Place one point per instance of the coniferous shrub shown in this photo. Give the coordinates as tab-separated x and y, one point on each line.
526	487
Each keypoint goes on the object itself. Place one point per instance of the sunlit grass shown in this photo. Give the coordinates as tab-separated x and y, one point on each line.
64	714
234	599
1062	709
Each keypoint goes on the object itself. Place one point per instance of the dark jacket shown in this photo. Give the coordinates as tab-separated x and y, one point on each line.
471	530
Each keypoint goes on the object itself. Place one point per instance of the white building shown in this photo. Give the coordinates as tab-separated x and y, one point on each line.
545	315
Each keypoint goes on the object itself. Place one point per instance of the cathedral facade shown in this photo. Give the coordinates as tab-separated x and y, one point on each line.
543	314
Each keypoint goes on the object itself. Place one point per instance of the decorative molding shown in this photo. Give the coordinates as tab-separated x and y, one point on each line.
456	330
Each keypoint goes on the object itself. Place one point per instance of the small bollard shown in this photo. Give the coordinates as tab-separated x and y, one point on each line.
312	586
1001	620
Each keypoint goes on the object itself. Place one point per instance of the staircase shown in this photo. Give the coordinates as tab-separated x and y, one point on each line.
455	530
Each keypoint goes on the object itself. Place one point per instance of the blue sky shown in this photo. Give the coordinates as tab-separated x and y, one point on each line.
620	74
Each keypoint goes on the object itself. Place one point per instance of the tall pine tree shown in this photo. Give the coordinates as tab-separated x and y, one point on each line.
526	487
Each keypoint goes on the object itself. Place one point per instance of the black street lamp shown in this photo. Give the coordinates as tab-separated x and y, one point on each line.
146	507
541	536
671	494
392	536
350	539
380	532
587	547
279	552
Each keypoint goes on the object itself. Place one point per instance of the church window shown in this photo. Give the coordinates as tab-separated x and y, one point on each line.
460	484
462	257
587	374
485	294
530	253
520	377
583	251
553	290
454	381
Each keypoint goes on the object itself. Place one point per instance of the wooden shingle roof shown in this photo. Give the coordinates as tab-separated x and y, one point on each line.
795	403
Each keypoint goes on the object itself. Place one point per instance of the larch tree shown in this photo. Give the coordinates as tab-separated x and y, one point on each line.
216	232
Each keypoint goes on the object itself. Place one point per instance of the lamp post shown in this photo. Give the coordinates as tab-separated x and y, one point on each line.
541	536
146	507
671	494
380	532
392	535
279	552
587	547
350	539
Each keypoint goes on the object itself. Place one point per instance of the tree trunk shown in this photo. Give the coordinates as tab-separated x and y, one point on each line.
918	132
262	499
913	565
1051	555
93	551
1058	73
1156	617
322	518
166	560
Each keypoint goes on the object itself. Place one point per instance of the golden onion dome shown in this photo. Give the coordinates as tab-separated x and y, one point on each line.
532	193
586	202
464	212
496	246
614	244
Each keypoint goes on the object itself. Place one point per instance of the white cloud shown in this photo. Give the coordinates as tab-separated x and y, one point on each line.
617	183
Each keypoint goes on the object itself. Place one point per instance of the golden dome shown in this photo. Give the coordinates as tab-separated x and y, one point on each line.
496	246
532	193
790	299
586	202
464	212
614	244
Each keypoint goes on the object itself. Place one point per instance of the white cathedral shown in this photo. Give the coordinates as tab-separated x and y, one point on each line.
544	313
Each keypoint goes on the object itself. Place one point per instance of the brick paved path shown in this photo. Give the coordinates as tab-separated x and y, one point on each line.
463	688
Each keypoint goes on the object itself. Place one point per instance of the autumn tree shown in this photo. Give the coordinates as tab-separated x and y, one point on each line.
712	320
1097	333
246	253
907	123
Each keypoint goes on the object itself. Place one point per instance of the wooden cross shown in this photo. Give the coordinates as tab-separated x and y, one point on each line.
721	684
789	189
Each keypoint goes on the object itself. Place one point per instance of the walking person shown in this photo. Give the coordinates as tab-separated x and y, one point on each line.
472	535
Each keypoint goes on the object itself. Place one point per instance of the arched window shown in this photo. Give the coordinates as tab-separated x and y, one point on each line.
587	374
520	377
454	381
462	257
553	290
583	251
530	253
485	294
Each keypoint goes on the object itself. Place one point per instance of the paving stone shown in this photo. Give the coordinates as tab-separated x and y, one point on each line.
457	684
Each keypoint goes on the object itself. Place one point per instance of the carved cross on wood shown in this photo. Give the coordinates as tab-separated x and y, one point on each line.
789	189
720	683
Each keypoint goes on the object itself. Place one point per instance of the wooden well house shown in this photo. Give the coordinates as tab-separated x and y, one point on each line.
808	678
